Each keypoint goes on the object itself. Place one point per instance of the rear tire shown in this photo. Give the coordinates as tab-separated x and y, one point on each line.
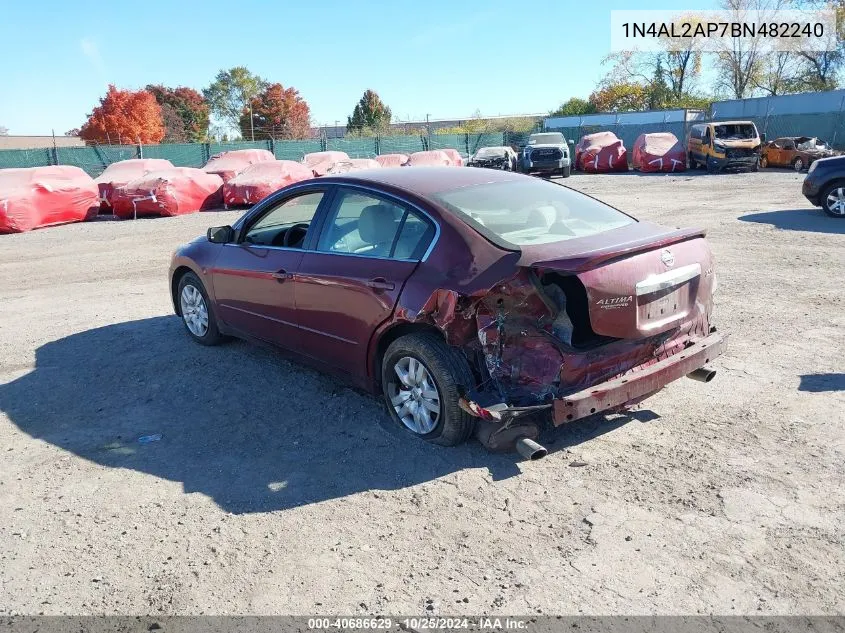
441	372
195	310
798	164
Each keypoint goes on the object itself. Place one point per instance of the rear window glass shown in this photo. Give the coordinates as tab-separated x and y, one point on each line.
531	211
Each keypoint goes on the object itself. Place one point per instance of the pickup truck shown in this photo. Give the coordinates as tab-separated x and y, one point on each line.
547	153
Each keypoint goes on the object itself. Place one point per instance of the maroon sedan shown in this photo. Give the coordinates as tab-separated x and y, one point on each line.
473	300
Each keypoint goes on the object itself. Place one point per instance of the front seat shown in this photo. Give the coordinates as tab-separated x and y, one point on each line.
377	227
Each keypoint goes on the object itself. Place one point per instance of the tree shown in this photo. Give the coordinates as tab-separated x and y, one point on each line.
620	97
574	107
370	112
4	131
174	126
231	91
124	116
778	74
278	113
72	132
189	106
819	70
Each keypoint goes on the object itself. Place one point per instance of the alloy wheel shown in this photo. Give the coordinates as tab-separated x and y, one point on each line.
414	396
835	201
194	310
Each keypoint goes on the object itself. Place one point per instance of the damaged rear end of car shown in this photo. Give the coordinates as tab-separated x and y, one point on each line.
590	312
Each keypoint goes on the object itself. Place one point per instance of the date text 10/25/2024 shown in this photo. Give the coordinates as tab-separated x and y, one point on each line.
419	623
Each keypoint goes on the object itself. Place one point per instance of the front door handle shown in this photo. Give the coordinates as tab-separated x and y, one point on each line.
380	283
281	275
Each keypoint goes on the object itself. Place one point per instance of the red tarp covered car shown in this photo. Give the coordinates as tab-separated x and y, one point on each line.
659	151
320	162
454	156
174	191
261	179
434	157
601	152
392	160
40	196
227	165
119	173
353	164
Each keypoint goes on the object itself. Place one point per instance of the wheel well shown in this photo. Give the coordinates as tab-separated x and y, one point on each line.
398	330
831	183
174	286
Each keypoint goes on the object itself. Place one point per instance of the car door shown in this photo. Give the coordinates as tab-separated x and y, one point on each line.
788	153
253	278
369	245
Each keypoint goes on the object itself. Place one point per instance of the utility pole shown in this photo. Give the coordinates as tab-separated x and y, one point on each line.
251	124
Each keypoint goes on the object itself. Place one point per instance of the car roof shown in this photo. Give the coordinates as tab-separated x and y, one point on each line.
732	122
425	181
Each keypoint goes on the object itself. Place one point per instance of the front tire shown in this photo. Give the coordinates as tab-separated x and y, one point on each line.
764	162
566	171
833	200
422	379
197	316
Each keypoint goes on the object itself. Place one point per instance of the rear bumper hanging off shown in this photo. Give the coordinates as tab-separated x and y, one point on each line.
632	386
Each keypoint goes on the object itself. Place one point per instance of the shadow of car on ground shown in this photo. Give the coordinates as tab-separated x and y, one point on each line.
813	220
238	422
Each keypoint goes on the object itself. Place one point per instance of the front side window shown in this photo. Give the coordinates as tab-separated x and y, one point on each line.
531	211
361	224
293	215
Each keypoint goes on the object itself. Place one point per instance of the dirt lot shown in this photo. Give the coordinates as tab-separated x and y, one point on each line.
275	489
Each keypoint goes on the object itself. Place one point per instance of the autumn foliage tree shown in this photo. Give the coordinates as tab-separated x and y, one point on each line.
278	113
620	97
125	116
184	111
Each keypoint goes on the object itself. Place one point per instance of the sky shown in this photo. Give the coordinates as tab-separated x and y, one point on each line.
444	58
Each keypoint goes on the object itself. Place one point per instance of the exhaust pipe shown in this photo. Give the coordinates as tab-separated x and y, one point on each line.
530	449
702	374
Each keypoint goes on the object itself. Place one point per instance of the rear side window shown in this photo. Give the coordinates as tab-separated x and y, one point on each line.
369	226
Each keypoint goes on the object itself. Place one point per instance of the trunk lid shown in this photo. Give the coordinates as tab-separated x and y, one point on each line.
640	280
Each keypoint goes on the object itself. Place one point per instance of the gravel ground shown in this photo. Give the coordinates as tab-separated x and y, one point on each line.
275	489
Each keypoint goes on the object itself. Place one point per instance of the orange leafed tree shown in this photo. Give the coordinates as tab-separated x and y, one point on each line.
125	117
277	112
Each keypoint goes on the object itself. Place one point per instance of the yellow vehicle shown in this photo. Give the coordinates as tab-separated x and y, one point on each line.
724	145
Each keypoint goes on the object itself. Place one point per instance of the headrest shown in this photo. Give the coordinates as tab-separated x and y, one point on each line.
377	224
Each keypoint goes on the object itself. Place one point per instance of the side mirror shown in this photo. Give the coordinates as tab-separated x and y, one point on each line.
220	234
571	142
762	138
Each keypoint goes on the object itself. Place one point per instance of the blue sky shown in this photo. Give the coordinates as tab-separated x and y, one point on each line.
438	57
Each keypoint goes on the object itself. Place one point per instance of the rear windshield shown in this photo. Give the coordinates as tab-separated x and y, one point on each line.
743	131
552	138
531	211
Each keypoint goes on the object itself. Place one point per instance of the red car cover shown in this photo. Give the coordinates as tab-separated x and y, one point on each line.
659	151
454	157
601	152
119	173
353	164
321	162
41	196
174	191
392	160
261	179
227	165
434	157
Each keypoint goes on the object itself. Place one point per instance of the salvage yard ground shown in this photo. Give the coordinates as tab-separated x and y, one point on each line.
275	489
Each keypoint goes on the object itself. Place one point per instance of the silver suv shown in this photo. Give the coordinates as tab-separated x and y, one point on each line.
547	153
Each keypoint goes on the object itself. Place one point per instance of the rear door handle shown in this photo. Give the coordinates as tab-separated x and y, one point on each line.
380	283
281	275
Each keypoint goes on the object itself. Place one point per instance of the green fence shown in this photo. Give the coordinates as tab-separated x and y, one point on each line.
95	158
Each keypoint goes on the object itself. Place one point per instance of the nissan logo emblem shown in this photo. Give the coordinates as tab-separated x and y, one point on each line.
667	258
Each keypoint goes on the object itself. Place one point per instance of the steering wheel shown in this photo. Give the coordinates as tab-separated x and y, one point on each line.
300	226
